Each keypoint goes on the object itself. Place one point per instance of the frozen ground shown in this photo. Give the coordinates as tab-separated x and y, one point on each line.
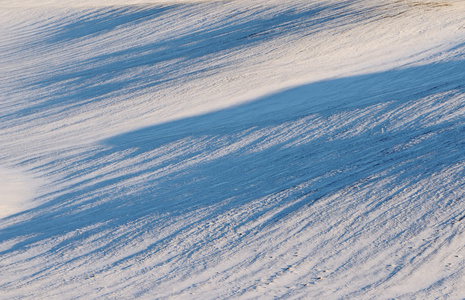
232	149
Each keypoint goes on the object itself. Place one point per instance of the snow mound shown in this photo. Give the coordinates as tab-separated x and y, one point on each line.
232	149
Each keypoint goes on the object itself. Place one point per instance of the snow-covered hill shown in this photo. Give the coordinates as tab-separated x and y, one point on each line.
232	149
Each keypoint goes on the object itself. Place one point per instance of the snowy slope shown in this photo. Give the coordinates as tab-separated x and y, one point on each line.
232	149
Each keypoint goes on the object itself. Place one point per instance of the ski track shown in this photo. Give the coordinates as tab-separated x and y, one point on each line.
232	149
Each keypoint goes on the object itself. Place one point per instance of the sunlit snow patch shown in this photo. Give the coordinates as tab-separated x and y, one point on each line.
16	191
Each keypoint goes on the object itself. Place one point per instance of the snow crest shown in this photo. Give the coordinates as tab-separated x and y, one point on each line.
232	149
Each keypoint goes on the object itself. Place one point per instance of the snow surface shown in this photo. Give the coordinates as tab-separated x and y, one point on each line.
17	190
232	149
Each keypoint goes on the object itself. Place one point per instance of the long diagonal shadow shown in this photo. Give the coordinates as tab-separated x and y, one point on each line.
102	76
317	136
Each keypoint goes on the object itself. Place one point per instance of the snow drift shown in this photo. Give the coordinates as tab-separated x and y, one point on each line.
232	149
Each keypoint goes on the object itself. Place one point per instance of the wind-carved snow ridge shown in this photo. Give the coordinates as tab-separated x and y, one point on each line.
235	149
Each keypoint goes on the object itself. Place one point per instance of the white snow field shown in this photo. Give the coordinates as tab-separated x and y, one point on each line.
298	149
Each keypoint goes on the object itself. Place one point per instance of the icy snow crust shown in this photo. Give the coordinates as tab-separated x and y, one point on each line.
232	149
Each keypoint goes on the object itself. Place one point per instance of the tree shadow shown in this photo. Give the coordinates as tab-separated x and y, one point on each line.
303	144
171	58
104	20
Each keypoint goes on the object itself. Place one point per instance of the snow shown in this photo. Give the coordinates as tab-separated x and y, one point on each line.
232	149
17	191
